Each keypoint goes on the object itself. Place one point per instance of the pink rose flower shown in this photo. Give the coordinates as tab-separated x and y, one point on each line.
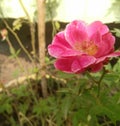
82	47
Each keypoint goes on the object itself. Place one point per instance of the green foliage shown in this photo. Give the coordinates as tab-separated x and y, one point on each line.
41	108
73	102
115	8
5	106
51	6
116	31
14	53
17	24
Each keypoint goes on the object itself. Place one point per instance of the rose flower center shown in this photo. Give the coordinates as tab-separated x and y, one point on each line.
87	47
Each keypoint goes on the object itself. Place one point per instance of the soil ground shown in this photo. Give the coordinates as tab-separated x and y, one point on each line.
11	69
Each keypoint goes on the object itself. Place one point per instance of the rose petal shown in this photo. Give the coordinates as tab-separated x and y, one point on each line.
97	26
114	54
82	62
108	40
79	24
106	46
61	51
64	64
96	38
59	39
75	33
96	67
74	64
60	47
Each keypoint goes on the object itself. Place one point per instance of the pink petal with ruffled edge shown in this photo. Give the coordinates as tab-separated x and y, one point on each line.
79	24
76	32
97	26
62	52
74	64
61	48
82	63
60	40
101	59
106	45
64	64
96	38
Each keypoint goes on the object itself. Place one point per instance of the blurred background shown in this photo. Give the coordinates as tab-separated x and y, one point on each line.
65	10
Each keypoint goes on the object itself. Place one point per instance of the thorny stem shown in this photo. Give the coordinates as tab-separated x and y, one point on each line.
24	118
16	111
89	76
10	46
4	89
32	31
32	92
18	40
97	82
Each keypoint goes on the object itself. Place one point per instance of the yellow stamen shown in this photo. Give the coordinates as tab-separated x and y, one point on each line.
87	47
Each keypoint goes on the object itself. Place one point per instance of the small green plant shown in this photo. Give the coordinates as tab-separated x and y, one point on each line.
72	101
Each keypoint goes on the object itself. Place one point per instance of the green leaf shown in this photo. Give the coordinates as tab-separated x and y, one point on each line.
116	67
12	50
57	25
13	121
24	107
106	106
116	31
79	116
14	53
111	78
41	107
17	24
21	92
8	108
65	106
